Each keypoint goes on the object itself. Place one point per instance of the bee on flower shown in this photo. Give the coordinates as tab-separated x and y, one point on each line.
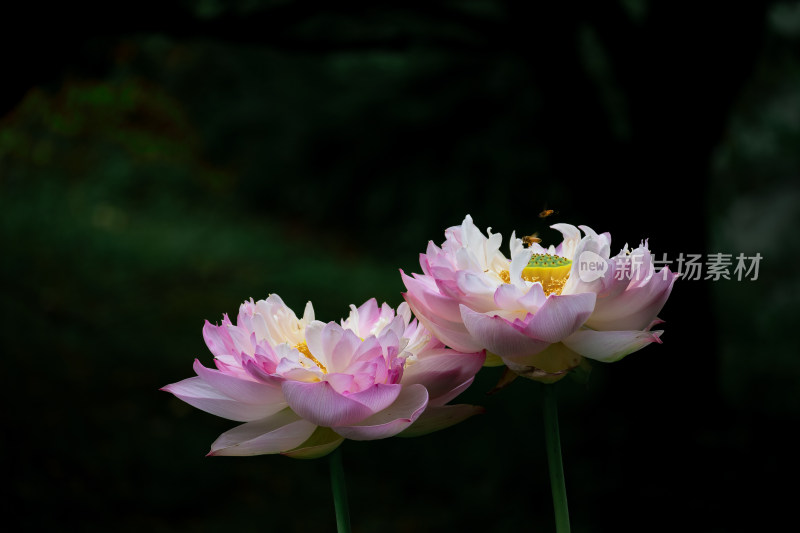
543	310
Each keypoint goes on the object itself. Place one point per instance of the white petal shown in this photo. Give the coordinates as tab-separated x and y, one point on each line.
278	433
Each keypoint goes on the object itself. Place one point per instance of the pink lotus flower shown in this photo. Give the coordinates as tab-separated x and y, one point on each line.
302	386
543	310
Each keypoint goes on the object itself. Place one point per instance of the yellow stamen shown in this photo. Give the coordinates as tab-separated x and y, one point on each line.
552	271
303	349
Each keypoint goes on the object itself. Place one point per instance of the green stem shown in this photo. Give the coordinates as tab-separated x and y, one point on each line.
553	443
339	489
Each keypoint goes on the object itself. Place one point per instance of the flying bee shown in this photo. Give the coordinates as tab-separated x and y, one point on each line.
547	212
528	240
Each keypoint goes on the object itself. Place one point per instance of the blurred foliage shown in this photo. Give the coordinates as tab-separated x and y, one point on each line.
357	129
208	152
756	209
121	249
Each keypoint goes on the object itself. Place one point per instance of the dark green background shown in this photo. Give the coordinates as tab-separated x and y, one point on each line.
161	164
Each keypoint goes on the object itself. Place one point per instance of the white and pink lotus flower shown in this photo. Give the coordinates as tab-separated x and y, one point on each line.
544	309
303	386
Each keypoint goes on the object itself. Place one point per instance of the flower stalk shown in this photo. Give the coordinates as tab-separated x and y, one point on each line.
555	465
339	489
